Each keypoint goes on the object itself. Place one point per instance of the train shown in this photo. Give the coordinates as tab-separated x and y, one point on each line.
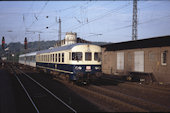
80	62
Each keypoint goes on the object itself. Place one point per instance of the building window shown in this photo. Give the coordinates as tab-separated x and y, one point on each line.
59	57
88	56
62	57
164	58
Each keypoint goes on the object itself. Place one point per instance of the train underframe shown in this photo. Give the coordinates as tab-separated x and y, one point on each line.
86	78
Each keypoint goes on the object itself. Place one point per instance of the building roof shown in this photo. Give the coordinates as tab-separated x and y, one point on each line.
143	43
67	47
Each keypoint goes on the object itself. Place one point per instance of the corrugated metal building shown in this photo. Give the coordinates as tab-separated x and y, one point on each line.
142	56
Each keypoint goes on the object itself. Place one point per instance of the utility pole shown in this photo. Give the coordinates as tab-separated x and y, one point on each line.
39	42
25	47
134	21
59	32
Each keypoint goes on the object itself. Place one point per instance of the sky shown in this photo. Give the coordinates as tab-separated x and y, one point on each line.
101	21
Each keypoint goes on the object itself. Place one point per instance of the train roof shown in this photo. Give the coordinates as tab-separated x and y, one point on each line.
68	47
28	54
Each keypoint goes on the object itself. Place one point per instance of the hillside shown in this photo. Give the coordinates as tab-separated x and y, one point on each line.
18	48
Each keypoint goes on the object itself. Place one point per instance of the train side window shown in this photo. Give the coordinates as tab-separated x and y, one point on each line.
97	56
56	57
62	57
77	56
88	56
59	57
53	57
48	58
69	55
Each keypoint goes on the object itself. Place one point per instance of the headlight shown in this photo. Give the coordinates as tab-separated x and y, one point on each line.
97	68
78	67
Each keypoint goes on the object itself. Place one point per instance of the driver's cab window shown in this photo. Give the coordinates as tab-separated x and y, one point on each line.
88	56
77	56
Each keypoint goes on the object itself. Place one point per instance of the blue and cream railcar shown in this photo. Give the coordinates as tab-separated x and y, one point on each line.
80	61
28	59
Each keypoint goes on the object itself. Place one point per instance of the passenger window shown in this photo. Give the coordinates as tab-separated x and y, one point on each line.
55	57
62	57
59	57
97	56
88	56
69	55
51	58
77	56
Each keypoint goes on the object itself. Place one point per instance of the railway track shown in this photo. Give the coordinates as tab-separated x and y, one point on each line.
117	101
155	89
109	99
139	102
137	91
102	100
41	98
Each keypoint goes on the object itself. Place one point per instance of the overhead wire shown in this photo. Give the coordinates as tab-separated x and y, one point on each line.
101	16
39	13
127	26
144	22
